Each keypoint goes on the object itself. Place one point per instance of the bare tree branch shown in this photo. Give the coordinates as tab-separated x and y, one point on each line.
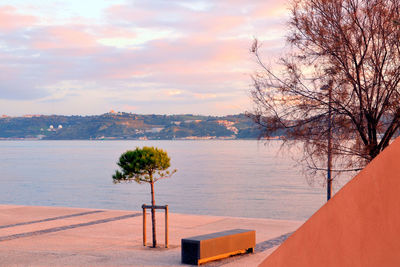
352	46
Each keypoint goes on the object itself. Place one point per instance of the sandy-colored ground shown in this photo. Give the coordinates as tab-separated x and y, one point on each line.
55	236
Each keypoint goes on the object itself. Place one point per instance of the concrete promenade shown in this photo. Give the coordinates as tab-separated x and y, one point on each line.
57	236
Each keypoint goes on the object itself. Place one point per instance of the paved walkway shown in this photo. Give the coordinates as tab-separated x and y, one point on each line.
56	236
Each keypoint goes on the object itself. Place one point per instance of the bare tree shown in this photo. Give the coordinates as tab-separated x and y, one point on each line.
352	49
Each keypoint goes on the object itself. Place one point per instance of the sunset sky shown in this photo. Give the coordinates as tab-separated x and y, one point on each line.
148	56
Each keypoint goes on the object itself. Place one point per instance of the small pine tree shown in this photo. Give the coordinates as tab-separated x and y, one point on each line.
144	165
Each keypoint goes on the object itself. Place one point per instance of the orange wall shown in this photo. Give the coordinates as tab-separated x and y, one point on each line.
359	226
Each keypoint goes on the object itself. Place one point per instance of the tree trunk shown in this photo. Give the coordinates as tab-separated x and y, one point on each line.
153	215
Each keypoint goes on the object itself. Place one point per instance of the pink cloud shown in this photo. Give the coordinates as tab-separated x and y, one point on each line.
205	58
11	20
276	8
128	13
213	25
63	37
109	31
7	73
123	73
183	61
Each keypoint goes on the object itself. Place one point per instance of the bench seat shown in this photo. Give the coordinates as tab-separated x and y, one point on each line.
204	248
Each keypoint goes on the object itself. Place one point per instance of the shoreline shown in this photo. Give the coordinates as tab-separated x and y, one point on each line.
158	211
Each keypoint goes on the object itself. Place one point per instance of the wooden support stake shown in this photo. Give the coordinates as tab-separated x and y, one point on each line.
144	226
166	226
144	207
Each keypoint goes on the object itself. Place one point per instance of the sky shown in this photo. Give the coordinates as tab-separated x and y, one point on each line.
85	57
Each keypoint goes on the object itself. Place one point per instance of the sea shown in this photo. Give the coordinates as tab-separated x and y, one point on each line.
238	178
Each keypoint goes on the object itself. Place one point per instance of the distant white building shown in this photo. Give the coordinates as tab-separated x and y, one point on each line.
228	125
52	129
154	130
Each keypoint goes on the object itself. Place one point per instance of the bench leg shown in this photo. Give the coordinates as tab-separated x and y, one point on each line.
250	250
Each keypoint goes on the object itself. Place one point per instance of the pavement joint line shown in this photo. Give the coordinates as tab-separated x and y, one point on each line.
51	219
263	246
66	227
260	247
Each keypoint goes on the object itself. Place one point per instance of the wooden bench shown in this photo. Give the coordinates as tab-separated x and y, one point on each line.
204	248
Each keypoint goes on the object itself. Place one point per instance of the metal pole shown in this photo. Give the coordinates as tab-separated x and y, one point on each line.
166	226
144	226
329	178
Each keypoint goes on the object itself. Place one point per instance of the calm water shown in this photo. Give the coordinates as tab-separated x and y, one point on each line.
231	178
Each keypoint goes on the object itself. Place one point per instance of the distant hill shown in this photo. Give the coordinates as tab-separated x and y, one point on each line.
128	126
